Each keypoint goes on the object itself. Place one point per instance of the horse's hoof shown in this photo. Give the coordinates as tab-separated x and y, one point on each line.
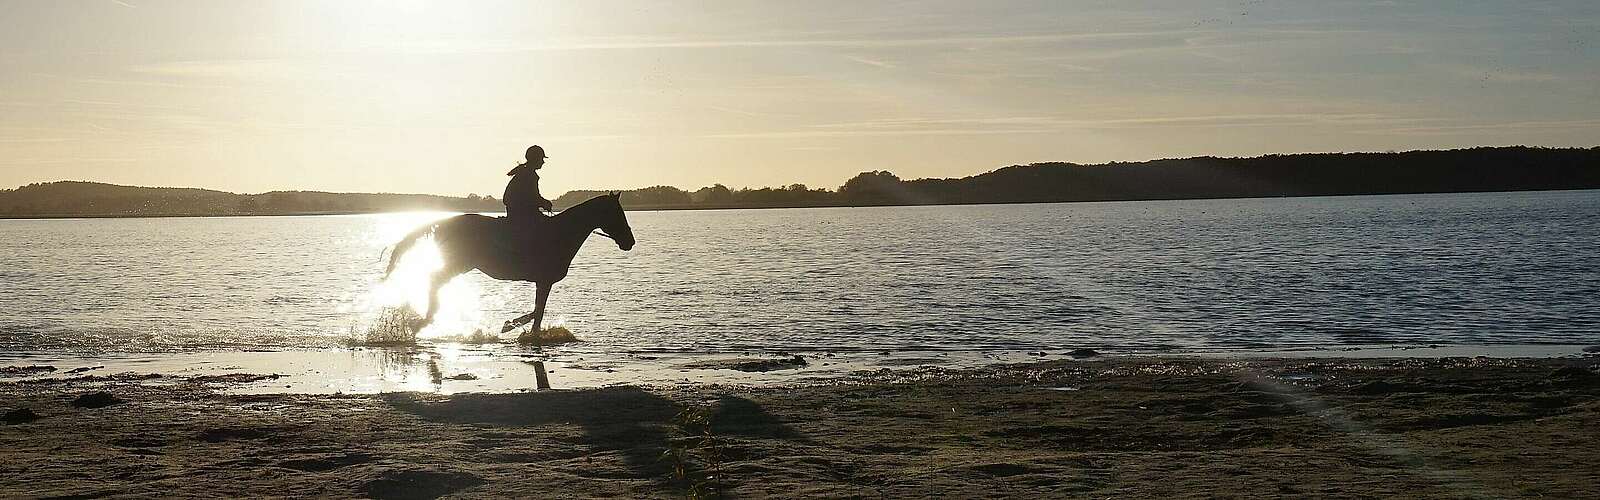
513	324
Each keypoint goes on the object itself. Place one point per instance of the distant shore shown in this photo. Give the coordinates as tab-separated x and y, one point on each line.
1472	170
670	208
1126	427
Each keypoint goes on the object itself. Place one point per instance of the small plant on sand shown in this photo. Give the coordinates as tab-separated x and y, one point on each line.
392	328
548	336
700	445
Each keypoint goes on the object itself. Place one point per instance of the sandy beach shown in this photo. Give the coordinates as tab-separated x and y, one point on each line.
1128	427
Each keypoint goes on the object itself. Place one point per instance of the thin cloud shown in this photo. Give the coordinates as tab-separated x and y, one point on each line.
128	83
913	122
1494	74
1492	127
1249	120
247	69
1044	125
56	161
440	46
875	133
871	62
32	140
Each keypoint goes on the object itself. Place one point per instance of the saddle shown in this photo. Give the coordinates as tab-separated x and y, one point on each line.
519	236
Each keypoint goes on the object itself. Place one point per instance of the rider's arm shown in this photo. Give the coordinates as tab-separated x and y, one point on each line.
539	198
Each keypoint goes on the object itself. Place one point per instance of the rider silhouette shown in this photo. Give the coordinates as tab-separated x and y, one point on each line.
522	199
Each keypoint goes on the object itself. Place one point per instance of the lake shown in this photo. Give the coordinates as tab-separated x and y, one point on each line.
1250	274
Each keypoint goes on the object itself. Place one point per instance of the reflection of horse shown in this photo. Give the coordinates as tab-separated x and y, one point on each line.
497	247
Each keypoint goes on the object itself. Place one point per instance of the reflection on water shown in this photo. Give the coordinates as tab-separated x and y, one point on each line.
400	368
1466	269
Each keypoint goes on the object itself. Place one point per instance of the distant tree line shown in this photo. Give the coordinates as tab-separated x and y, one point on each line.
74	198
1460	170
714	196
1318	174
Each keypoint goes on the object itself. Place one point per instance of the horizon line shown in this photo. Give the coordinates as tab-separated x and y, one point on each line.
1108	163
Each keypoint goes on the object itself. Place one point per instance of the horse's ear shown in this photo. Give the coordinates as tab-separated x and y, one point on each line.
616	194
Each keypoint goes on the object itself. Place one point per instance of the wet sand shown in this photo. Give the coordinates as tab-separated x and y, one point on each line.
1129	427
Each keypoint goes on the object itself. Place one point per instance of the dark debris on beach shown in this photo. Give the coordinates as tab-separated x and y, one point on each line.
19	416
99	399
24	371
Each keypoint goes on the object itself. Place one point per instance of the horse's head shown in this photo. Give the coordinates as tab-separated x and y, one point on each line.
615	222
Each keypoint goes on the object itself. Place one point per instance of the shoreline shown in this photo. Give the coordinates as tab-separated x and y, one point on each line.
1120	427
449	368
676	208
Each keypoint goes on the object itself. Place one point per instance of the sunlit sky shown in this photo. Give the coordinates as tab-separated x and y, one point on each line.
442	97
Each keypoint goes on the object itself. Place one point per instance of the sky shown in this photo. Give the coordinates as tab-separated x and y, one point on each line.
443	97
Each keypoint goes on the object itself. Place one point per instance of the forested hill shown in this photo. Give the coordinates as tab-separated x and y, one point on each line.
93	199
1319	174
1461	170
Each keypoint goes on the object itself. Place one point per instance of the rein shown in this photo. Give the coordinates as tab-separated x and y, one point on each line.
582	207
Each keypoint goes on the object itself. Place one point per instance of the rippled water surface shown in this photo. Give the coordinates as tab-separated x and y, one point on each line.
1498	268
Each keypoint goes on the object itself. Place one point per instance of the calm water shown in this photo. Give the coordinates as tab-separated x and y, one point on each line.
1505	268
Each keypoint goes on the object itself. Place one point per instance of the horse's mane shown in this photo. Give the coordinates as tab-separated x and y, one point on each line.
587	206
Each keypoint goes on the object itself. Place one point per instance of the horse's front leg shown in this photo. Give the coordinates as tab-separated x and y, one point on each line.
536	317
538	306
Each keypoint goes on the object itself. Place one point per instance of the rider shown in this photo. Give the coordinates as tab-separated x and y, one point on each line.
522	198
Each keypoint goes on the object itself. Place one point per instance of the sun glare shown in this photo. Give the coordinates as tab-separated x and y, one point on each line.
460	309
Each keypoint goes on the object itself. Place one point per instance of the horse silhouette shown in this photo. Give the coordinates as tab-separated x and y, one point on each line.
504	250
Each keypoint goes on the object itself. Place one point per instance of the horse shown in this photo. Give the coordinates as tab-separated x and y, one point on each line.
498	247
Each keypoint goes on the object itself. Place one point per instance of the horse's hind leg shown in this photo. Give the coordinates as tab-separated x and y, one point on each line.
436	281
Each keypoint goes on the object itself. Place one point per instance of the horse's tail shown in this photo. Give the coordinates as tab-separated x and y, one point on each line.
405	244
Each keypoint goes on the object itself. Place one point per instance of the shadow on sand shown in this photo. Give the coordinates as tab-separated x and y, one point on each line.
651	434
